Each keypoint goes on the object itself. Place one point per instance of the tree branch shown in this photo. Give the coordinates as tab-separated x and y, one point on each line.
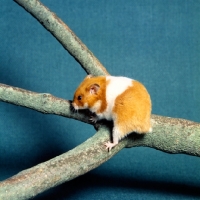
41	102
169	135
65	167
64	35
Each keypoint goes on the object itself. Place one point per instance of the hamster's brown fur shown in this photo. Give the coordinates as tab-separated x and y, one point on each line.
125	101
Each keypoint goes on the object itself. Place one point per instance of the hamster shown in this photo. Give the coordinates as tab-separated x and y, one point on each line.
121	99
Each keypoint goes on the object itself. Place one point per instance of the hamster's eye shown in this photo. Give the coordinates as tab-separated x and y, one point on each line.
79	97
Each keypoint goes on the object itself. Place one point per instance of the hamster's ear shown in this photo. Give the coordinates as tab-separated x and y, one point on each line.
94	88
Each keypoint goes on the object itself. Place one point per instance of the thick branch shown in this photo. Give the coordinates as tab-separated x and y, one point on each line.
64	35
169	135
41	102
92	153
175	135
63	168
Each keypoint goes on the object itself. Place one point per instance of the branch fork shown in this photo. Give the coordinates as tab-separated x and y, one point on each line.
169	134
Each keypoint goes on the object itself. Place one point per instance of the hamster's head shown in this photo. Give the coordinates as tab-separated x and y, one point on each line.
87	94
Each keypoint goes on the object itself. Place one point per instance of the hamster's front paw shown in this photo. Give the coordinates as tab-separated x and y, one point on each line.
93	119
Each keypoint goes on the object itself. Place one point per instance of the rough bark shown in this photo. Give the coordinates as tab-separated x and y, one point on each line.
169	135
41	102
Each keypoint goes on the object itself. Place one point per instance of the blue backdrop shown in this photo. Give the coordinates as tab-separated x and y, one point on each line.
155	42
